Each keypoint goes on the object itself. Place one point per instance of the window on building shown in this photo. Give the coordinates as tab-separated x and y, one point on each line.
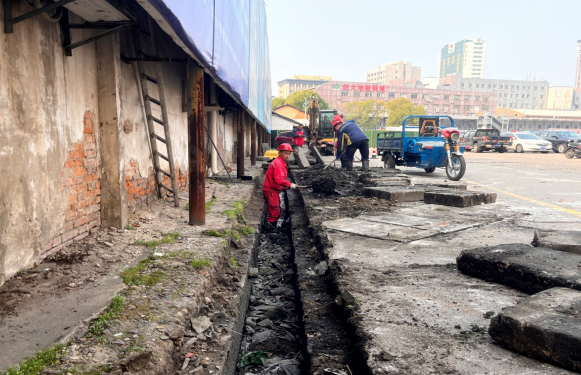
478	85
446	108
437	109
512	88
379	94
517	87
528	88
477	98
344	93
535	88
461	85
523	96
469	85
515	96
356	93
425	96
368	94
494	87
414	96
456	97
446	97
436	97
403	95
467	97
466	107
485	108
505	95
542	96
485	98
392	94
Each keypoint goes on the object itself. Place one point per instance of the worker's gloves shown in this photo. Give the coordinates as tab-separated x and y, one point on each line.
293	186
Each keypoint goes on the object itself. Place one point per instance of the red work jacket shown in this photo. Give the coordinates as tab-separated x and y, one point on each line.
298	138
275	178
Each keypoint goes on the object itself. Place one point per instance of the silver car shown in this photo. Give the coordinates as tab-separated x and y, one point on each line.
522	142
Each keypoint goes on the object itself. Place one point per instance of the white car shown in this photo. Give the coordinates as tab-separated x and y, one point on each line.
522	142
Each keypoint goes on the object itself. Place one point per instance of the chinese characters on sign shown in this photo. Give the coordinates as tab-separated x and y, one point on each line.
381	88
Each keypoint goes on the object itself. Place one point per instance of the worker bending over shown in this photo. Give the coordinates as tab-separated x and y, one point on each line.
275	182
298	137
351	138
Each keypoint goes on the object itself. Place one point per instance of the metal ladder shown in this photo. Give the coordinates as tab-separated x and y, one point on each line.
152	121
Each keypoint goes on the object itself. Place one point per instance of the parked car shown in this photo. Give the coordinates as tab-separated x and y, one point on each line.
480	140
286	137
524	142
559	139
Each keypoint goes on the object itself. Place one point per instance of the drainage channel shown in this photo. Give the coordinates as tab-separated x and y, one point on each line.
293	325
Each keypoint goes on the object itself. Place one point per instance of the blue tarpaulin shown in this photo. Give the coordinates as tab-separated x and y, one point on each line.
229	38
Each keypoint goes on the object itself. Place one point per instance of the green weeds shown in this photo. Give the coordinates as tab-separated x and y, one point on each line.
233	262
34	365
236	210
213	233
136	276
200	262
102	321
245	230
129	227
153	244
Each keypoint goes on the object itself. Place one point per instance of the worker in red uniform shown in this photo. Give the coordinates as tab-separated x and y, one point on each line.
275	182
298	136
338	119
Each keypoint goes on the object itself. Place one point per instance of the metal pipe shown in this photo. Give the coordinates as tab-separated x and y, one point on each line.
93	38
214	130
36	12
253	143
240	145
196	140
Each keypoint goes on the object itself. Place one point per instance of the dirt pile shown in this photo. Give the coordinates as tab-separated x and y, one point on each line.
333	182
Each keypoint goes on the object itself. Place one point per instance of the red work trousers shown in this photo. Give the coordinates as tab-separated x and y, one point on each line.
272	199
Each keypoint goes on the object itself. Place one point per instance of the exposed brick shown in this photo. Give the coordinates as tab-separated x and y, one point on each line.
90	177
90	154
73	198
82	235
88	130
79	188
79	171
88	116
92	170
81	221
77	147
89	138
97	184
97	191
70	234
93	208
76	155
89	162
88	145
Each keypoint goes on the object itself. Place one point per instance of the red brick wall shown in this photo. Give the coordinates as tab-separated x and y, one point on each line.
80	180
141	191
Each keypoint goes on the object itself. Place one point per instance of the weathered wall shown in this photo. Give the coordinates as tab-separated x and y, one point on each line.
43	100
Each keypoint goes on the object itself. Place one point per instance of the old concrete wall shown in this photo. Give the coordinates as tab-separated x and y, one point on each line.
44	97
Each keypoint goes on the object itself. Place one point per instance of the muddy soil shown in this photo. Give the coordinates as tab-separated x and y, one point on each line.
333	182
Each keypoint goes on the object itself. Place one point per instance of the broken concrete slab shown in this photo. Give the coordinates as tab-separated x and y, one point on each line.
429	185
523	267
395	194
316	154
545	326
459	198
563	240
373	229
301	159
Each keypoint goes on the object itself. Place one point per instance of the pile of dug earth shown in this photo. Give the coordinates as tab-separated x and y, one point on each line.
334	182
271	343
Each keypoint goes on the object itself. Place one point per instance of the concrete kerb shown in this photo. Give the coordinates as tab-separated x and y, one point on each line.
192	305
568	241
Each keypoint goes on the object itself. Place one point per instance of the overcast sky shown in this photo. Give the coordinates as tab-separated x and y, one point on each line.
343	38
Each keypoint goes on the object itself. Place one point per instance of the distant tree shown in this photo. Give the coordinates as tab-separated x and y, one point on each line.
400	108
298	99
277	102
365	113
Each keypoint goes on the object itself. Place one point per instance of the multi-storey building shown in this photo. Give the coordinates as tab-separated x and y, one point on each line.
560	98
578	68
395	72
300	83
511	93
465	58
436	101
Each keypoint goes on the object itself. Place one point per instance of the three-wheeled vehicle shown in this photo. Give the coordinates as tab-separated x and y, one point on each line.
425	144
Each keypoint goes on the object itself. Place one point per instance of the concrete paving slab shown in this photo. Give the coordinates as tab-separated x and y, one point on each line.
546	326
564	240
429	185
301	159
316	154
378	230
523	267
459	198
395	194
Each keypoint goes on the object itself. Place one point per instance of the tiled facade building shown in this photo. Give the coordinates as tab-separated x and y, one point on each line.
436	101
300	83
392	73
465	58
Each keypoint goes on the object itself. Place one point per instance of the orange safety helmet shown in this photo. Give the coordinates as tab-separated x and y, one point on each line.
285	147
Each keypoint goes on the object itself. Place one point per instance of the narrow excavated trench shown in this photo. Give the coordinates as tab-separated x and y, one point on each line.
295	323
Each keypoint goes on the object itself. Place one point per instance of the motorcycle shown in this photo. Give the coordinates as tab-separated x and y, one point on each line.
573	150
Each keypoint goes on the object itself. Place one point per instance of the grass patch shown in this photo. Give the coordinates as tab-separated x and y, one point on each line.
103	320
135	275
233	262
245	230
213	233
129	227
200	262
209	204
153	244
222	182
187	207
230	213
224	243
236	235
34	365
236	210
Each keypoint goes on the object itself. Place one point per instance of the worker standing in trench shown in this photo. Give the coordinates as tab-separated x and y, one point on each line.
274	183
351	138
